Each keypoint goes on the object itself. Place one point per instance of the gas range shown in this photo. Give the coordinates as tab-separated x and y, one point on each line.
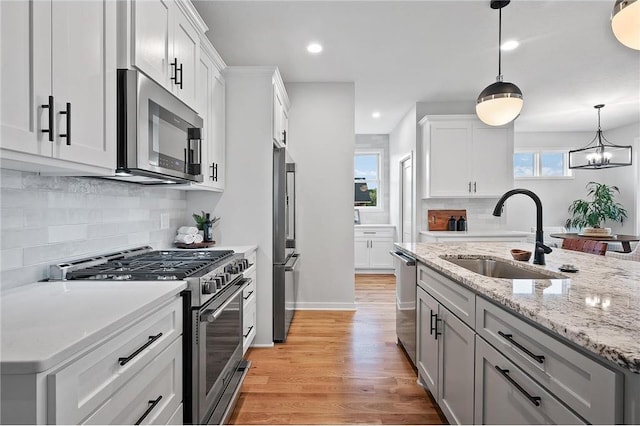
207	272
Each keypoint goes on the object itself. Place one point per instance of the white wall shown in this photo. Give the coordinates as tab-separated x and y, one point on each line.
402	142
556	195
246	205
46	220
321	142
377	142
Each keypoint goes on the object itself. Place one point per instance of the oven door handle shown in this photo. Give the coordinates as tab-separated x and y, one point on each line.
211	316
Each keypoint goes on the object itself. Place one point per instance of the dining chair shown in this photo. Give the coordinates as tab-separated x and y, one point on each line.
586	246
634	255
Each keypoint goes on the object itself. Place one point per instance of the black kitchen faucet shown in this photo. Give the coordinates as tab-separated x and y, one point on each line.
540	249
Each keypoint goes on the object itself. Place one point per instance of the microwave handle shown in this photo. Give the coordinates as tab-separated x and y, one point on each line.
188	157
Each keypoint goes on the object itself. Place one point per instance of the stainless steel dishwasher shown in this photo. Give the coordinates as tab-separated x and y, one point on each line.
405	271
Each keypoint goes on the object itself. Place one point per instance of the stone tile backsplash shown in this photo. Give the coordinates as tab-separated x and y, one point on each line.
479	212
46	219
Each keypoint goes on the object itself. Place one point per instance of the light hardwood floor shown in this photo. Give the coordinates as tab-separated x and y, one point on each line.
337	367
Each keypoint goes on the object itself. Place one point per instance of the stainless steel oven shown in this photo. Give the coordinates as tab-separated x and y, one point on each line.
217	364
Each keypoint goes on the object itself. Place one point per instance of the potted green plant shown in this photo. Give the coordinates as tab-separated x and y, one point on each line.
590	216
201	219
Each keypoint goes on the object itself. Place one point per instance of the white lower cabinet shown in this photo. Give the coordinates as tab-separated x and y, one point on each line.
506	395
372	246
445	358
510	372
249	306
135	375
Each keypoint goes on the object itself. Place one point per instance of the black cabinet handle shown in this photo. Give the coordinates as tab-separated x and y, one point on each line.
475	186
49	106
509	338
215	172
153	403
211	175
248	295
535	400
179	69
152	339
434	326
469	186
67	112
248	332
174	66
284	137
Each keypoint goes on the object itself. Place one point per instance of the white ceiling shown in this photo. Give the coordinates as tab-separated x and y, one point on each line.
402	52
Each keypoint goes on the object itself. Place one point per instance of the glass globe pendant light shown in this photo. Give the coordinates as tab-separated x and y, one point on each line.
500	102
625	22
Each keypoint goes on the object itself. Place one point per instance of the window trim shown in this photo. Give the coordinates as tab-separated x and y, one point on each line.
537	163
380	181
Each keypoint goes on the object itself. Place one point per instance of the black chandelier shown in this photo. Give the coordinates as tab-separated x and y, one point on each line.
600	153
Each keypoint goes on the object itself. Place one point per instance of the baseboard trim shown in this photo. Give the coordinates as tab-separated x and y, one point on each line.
325	306
375	271
262	345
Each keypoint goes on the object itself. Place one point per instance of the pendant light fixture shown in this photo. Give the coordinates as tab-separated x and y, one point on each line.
600	153
625	22
500	102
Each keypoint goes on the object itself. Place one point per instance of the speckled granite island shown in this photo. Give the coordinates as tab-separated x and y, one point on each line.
588	321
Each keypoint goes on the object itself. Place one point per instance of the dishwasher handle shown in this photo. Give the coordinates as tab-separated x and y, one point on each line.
409	261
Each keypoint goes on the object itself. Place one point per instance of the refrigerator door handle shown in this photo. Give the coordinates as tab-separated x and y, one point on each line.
289	268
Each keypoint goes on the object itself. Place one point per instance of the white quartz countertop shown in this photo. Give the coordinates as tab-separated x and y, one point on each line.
44	323
597	308
479	233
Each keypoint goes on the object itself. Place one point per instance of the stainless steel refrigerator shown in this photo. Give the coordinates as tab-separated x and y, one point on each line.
285	257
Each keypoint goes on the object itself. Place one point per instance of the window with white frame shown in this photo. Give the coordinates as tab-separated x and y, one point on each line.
367	172
541	164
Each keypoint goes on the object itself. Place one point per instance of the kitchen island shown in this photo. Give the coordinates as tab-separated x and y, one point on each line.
588	320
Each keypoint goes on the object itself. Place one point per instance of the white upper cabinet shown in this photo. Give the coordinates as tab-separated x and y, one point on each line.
166	46
151	32
466	158
280	113
58	98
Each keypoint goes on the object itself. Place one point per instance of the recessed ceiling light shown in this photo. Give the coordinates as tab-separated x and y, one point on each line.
510	45
375	114
314	48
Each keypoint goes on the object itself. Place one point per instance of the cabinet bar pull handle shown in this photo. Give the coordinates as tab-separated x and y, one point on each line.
50	129
431	327
248	295
153	403
475	186
284	137
248	332
509	338
215	172
67	112
434	326
152	339
469	186
370	232
211	175
174	65
535	400
181	76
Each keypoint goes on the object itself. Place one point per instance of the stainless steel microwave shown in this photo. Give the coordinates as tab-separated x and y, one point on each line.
159	138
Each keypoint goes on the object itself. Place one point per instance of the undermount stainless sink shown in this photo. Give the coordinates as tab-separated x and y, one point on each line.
500	269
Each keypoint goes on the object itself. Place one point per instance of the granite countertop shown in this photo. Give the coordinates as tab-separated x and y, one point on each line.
478	233
45	323
597	308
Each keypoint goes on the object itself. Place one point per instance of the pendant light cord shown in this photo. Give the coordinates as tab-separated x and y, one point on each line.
499	44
